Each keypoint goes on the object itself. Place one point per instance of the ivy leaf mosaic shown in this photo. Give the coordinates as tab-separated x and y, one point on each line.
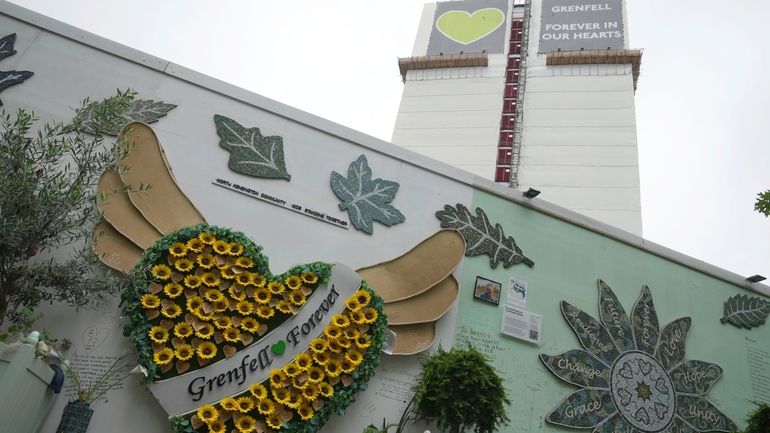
251	153
10	78
481	237
138	110
366	200
642	384
746	312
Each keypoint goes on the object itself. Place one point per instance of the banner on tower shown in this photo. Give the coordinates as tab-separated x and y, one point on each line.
574	25
471	26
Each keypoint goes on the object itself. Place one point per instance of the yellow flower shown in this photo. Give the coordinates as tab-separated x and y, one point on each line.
150	301
183	330
221	305
332	368
244	307
277	378
205	332
343	341
299	382
340	320
362	342
235	249
352	333
195	245
172	311
310	392
363	297
291	369
221	321
161	272
334	346
207	238
264	311
231	334
183	265
212	295
183	352
244	279
237	292
210	280
193	303
293	282
296	297
295	401
284	307
246	424
346	366
281	395
206	261
244	262
206	350
259	280
275	287
229	404
220	247
172	290
303	361
305	412
321	358
200	313
208	413
354	356
358	317
265	406
325	389
309	277
352	304
227	273
318	345
249	324
315	374
274	421
192	281
163	356
158	334
245	404
333	331
258	391
216	426
370	315
262	295
178	250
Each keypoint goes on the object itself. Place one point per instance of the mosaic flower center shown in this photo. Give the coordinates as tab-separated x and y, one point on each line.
642	391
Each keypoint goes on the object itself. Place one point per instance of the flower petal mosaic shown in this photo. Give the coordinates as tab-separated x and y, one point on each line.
632	375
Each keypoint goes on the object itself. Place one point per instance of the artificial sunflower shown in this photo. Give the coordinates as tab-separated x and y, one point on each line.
318	345
275	287
295	401
216	426
264	311
277	378
258	391
208	413
234	249
193	303
249	324
346	366
195	245
192	281
220	247
183	265
158	334
221	304
262	295
259	281
210	280
183	330
340	320
362	342
206	350
310	392
183	352
244	262
321	358
333	368
163	356
244	307
352	333
281	395
222	322
178	250
291	369
284	307
325	389
370	315
265	406
229	404
205	332
244	279
172	311
245	404
333	331
363	297
305	412
227	273
201	313
334	346
237	292
358	317
299	382
352	304
206	261
172	290
354	356
315	374
303	361
297	298
293	282
309	277
274	421
246	424
232	334
150	301
161	272
344	342
207	238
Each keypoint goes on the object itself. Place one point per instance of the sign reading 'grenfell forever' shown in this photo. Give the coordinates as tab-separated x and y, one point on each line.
574	25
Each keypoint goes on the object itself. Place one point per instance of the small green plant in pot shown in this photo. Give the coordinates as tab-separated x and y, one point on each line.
460	390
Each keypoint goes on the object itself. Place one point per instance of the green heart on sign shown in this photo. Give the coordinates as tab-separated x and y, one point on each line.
465	28
278	348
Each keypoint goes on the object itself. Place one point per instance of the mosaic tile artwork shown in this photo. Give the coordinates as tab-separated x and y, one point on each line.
10	78
251	153
746	312
633	376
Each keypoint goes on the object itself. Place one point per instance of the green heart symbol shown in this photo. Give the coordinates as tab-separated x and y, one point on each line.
465	28
278	348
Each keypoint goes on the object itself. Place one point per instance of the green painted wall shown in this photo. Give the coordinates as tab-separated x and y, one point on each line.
568	262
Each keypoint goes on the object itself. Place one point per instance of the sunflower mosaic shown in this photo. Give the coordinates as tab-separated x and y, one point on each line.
203	295
632	374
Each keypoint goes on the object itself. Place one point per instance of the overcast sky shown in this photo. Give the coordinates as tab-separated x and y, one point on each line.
702	104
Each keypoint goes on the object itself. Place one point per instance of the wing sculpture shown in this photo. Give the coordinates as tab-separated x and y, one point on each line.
418	287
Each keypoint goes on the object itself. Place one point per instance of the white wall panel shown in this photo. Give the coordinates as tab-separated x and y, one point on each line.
580	155
579	176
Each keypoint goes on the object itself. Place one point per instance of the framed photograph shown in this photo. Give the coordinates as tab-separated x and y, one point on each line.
487	290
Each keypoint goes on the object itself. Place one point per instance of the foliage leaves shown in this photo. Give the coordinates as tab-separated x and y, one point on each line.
140	110
251	153
366	200
10	78
460	390
758	420
47	200
481	237
746	312
762	205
